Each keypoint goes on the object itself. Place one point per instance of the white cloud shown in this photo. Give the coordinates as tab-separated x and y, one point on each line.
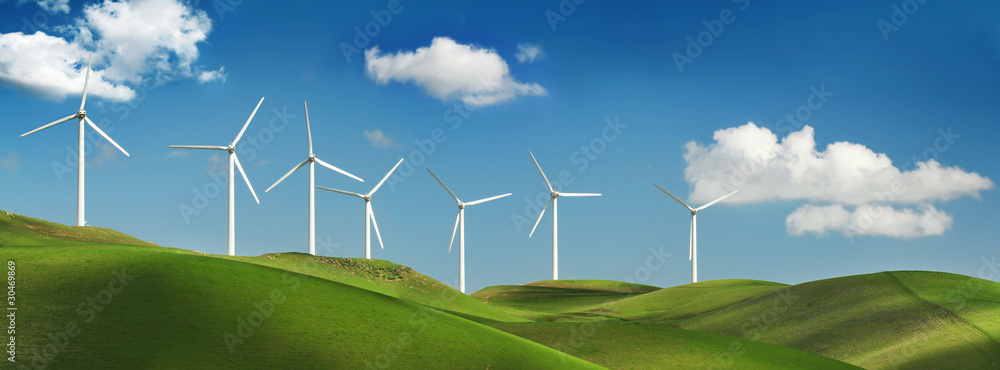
753	160
145	37
378	139
209	76
447	70
52	68
9	162
868	220
528	53
134	42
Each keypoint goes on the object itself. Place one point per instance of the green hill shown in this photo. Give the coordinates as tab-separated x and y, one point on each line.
559	300
23	230
873	321
688	300
107	306
386	278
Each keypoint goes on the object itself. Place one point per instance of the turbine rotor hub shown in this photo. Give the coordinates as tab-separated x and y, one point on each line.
81	113
695	212
461	205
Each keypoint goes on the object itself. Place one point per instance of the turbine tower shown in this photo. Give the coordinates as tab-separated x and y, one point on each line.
81	116
369	213
460	227
693	239
312	160
232	188
554	199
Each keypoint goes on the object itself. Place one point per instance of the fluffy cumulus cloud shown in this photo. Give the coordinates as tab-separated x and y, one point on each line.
841	175
378	139
448	70
527	53
868	220
134	42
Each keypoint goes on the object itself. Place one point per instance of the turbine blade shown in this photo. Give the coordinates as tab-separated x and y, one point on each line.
287	174
541	172
342	192
486	200
248	122
308	129
716	201
240	167
99	131
53	123
213	147
675	198
86	82
332	167
457	218
579	194
386	177
371	212
445	186
540	216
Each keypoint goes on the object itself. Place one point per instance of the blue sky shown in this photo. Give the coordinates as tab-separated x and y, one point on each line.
889	86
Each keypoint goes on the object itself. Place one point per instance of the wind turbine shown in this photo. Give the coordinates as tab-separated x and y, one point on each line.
460	221
554	199
369	213
232	188
81	116
311	160
693	239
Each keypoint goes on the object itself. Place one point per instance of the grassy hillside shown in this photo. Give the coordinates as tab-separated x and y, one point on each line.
386	278
559	300
23	230
622	345
688	300
872	321
178	309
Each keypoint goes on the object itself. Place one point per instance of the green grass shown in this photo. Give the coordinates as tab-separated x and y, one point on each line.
689	299
386	278
871	321
180	305
559	300
23	230
620	345
974	300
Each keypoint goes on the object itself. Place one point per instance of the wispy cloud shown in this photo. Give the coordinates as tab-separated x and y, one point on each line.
448	70
527	53
378	139
9	162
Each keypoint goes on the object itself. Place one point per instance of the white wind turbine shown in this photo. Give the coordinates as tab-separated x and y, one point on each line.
232	188
311	160
693	239
80	115
460	226
554	199
369	213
